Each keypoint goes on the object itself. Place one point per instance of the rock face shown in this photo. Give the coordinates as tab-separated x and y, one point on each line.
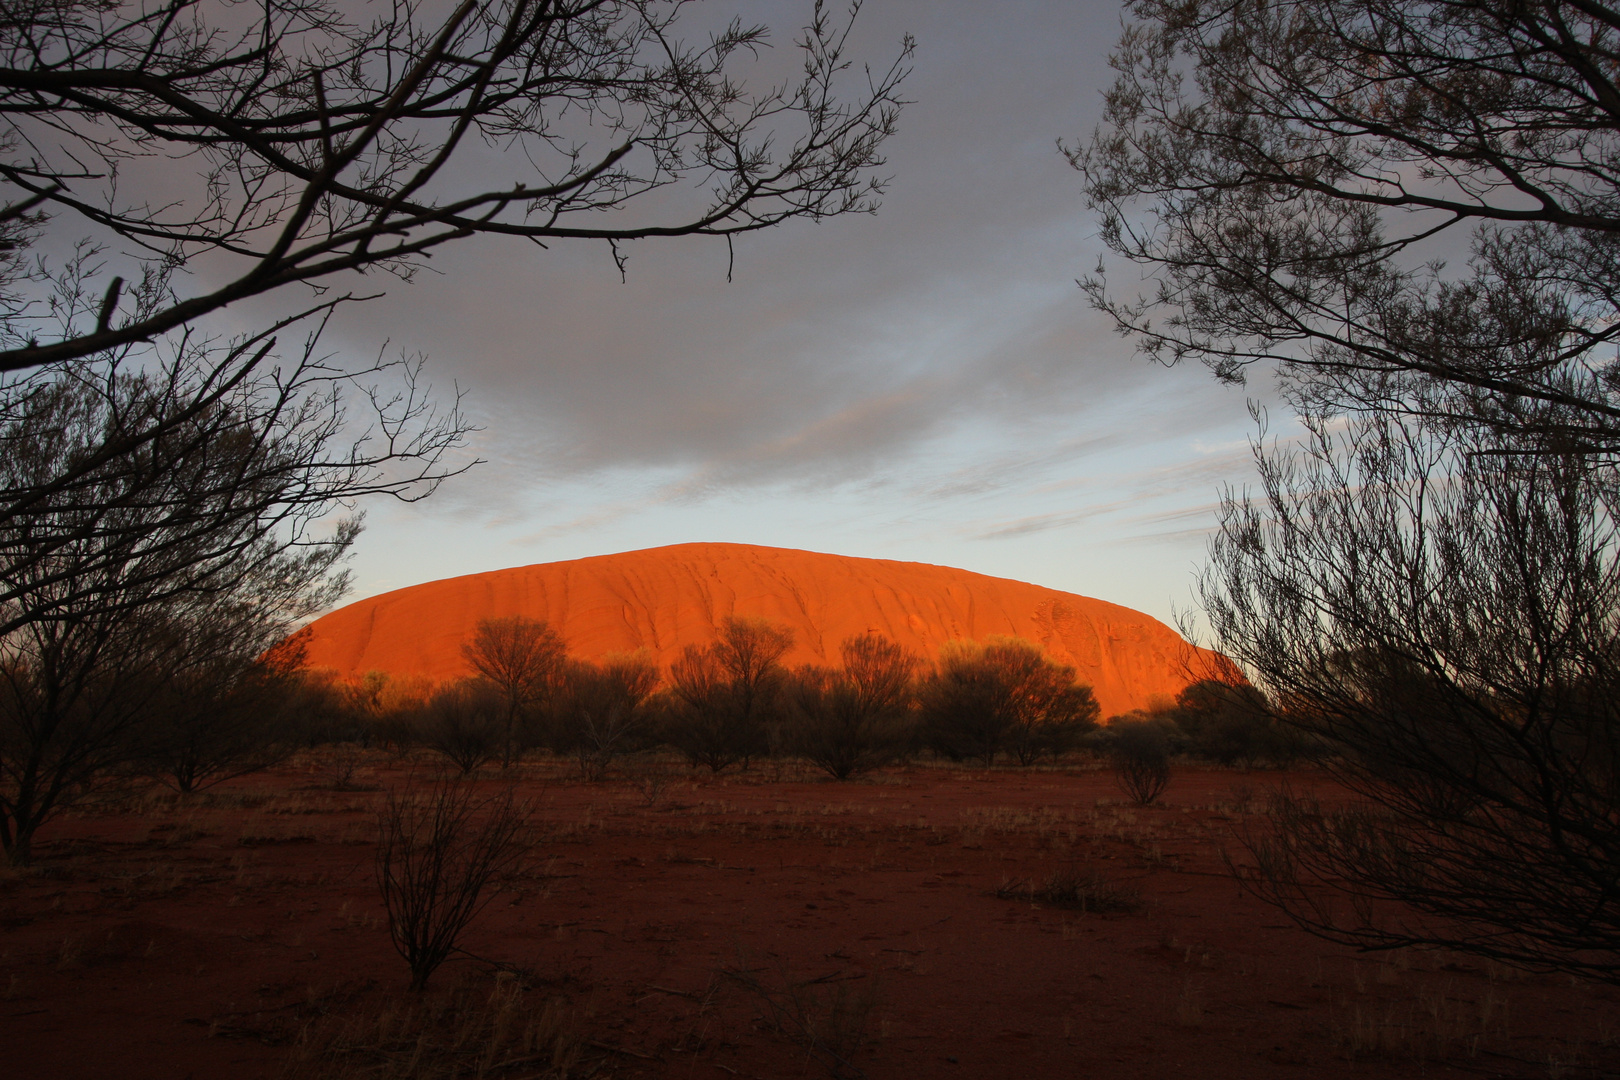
663	599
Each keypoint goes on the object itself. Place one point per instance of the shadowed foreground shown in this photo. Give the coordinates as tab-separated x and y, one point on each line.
669	921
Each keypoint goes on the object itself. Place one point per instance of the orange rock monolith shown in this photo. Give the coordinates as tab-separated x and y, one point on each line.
663	599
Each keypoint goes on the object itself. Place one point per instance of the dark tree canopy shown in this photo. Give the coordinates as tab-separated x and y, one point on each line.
298	140
1441	621
1408	206
852	719
524	660
1004	695
602	710
1412	212
724	699
210	152
162	468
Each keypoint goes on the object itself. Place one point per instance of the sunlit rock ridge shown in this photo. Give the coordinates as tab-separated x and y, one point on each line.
663	599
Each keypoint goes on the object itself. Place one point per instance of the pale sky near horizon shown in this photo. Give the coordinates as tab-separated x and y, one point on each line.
927	384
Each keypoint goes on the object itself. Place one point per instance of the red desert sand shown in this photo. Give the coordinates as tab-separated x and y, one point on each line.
664	599
168	939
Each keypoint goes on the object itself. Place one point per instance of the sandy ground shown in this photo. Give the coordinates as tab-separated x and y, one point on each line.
169	938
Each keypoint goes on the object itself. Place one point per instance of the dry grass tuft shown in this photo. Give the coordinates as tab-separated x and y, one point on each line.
830	1016
472	1030
1434	1025
1076	890
442	853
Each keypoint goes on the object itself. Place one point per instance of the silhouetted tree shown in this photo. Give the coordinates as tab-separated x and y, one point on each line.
1429	592
724	698
1441	619
227	716
187	478
301	143
602	710
146	460
465	721
857	718
1003	694
524	659
101	622
1233	723
301	146
1295	174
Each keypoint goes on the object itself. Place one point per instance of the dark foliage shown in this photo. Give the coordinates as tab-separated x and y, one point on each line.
1141	758
1441	620
317	143
1003	695
602	711
1425	585
115	599
724	700
1234	724
524	659
465	721
224	719
851	720
1299	177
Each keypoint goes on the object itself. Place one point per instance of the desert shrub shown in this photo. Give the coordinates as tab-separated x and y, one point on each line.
381	707
464	721
1141	759
830	1019
475	1029
223	720
1233	723
441	854
1075	890
524	660
723	700
1003	695
601	710
851	720
320	701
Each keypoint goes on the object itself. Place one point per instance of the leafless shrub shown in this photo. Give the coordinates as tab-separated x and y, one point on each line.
1141	761
524	661
1003	695
339	764
465	722
441	854
723	699
650	778
856	719
601	710
222	719
1076	890
472	1030
830	1016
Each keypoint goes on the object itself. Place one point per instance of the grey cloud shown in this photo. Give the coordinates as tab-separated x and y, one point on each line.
839	349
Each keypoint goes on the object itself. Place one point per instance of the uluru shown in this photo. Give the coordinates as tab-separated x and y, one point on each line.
662	599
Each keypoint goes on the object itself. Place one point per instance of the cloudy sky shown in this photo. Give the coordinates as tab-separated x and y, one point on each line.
927	384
